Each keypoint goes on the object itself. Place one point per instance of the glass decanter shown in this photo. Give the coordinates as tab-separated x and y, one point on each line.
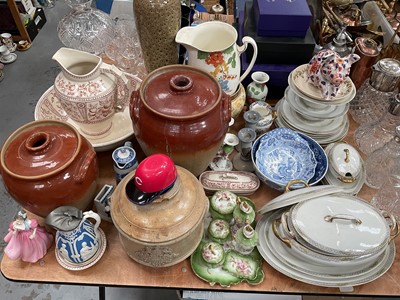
379	163
85	28
371	100
372	136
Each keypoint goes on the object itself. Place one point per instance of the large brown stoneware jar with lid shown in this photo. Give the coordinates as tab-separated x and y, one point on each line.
182	112
166	231
46	164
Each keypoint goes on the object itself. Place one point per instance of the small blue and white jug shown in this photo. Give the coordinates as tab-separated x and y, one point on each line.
125	161
77	239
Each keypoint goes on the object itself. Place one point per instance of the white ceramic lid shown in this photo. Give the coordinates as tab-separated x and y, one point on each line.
341	224
344	160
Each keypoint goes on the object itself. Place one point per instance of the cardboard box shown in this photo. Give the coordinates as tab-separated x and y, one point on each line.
282	18
36	23
276	50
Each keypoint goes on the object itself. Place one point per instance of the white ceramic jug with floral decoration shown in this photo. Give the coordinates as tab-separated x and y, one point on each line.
89	90
212	47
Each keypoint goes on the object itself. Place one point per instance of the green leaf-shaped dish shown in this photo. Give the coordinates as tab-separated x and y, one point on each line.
223	277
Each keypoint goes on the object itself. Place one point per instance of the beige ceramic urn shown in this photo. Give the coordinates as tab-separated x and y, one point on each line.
166	231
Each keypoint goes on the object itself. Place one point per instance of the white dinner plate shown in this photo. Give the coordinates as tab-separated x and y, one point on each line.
325	111
322	127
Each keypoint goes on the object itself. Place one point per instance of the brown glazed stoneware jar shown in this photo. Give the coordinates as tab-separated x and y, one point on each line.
182	112
46	164
166	231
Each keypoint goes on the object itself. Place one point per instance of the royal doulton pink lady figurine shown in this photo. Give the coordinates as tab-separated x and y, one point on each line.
26	239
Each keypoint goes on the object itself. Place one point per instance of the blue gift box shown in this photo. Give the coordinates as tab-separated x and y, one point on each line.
278	73
282	17
275	49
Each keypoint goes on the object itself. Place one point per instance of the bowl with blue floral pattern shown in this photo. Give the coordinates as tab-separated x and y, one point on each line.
281	156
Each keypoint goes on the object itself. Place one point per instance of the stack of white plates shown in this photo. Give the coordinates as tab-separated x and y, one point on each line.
304	109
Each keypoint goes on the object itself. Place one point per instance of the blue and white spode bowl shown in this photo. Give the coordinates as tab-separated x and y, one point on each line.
283	155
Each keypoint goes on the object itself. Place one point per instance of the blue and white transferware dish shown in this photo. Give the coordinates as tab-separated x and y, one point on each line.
279	136
321	158
284	162
260	152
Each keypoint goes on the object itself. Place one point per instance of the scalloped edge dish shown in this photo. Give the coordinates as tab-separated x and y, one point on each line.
222	277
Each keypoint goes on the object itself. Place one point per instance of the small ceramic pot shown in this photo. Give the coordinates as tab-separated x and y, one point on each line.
46	164
345	162
246	239
219	231
267	116
125	161
213	254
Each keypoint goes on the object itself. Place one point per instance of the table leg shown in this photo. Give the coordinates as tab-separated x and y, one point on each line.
102	293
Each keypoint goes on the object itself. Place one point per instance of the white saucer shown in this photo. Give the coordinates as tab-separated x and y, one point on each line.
49	108
12	58
321	138
322	127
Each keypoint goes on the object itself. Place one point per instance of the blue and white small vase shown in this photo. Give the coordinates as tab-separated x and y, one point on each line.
257	90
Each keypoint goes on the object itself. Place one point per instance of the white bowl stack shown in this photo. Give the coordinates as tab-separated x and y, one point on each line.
304	109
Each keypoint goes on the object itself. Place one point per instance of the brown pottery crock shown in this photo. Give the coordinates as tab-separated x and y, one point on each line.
182	112
166	231
46	164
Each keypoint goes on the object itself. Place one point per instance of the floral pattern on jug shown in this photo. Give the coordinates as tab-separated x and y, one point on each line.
90	91
212	47
222	61
327	70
